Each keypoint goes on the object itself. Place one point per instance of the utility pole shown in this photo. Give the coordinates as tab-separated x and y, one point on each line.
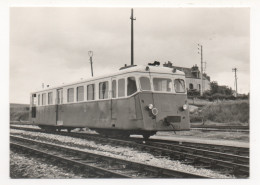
132	36
235	70
200	48
90	53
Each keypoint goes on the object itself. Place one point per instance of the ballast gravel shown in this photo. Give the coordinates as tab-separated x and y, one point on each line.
126	153
21	166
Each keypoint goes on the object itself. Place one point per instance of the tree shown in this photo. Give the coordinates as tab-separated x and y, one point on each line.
214	87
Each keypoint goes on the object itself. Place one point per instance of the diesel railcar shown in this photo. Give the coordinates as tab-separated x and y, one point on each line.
135	100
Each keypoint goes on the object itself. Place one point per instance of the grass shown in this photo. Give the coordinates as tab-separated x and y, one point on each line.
19	112
227	113
232	112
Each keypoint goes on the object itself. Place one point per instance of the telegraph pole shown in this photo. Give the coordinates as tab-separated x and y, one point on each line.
132	36
235	70
90	53
200	48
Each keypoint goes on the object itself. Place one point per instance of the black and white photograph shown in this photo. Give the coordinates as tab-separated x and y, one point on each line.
130	92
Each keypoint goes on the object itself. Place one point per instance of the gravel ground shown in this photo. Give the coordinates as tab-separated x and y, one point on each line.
23	166
238	139
118	151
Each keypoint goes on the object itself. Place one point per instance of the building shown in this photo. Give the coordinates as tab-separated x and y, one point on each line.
193	79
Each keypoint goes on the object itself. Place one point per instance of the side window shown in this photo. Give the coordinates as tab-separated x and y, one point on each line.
121	87
50	97
59	96
91	92
39	99
114	89
103	90
145	83
131	86
44	99
70	95
80	93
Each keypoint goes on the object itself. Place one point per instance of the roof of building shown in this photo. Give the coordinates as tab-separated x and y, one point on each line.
189	74
192	72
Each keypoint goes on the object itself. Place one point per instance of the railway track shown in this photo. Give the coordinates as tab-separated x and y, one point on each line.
221	127
100	165
220	130
215	157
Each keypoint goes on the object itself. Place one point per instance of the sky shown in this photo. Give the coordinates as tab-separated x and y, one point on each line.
50	44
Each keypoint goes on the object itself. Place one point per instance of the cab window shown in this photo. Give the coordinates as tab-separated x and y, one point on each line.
145	83
179	85
131	86
162	84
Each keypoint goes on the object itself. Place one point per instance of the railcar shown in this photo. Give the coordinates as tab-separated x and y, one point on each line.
135	100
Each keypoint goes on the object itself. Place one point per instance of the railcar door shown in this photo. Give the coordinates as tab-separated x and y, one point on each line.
33	107
59	106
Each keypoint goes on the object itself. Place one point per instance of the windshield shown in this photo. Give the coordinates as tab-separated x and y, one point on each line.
145	83
179	85
162	84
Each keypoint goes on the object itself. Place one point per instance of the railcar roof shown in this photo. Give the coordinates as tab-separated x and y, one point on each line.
142	69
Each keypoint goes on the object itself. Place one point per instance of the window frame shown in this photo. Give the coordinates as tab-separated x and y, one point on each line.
112	90
93	92
118	88
39	99
68	95
184	90
165	78
50	103
127	86
82	94
151	85
107	90
44	102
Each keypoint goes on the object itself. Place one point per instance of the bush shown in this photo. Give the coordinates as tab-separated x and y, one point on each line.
216	96
195	118
193	93
243	97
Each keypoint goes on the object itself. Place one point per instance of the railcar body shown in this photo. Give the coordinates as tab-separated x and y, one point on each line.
137	100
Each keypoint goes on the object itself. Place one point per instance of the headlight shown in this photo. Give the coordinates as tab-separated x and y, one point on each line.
155	111
185	106
150	106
